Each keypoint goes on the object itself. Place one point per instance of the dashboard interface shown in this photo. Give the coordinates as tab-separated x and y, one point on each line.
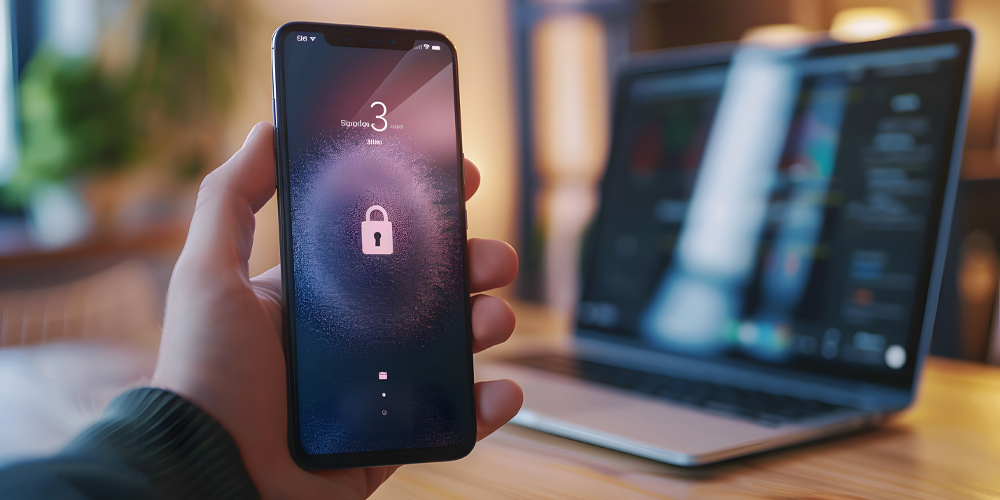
810	252
377	246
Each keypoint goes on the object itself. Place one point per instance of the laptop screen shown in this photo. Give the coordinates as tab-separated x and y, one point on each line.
780	209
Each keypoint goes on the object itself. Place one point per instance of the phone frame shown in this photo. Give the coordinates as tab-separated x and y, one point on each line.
375	38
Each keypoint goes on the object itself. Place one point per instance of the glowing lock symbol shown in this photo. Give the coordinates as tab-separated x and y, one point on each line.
376	235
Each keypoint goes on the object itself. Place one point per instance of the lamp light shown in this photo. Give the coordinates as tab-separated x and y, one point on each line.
778	35
868	23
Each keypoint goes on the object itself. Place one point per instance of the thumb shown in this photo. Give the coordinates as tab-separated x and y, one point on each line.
221	233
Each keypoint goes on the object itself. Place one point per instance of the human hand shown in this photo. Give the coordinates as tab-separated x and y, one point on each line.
222	335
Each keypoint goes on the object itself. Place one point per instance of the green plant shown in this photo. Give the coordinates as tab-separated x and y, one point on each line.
79	120
75	121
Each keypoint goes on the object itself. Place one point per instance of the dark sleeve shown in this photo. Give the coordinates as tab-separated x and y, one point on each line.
149	443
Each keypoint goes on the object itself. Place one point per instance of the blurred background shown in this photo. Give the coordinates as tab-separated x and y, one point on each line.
111	112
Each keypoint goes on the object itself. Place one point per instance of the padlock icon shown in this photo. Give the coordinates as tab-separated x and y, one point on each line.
376	235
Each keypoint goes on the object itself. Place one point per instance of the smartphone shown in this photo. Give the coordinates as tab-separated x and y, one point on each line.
368	151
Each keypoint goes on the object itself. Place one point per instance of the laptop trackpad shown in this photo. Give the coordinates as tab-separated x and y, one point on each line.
673	427
628	415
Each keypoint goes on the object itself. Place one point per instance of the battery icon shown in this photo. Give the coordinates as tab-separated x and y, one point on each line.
435	47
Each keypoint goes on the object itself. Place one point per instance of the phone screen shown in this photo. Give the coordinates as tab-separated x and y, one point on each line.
375	217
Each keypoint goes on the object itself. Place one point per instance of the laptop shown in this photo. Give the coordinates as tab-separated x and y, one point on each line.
765	265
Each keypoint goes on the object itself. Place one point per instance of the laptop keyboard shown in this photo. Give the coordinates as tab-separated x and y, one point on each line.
760	407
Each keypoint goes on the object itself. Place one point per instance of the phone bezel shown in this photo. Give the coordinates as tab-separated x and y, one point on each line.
376	38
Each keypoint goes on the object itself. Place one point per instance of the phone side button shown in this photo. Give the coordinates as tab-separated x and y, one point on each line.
466	220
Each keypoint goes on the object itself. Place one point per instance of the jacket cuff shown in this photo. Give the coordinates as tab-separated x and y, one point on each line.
182	450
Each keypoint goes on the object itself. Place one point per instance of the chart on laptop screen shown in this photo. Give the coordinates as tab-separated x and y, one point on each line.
842	236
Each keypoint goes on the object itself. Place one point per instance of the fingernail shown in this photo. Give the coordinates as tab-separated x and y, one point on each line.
252	132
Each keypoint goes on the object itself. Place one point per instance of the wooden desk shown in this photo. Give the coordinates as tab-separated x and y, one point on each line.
947	447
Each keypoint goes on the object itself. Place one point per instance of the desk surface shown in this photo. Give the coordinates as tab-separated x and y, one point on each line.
947	447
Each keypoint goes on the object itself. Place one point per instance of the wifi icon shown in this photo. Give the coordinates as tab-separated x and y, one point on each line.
312	39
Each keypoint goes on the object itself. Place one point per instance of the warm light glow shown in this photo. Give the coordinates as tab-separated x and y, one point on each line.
776	34
868	23
571	119
571	97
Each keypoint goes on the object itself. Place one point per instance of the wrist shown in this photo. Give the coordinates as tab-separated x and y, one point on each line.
179	447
